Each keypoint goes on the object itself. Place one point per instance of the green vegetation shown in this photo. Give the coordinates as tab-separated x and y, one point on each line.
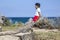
6	28
12	26
7	25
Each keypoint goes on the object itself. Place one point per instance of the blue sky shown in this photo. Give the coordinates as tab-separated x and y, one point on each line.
25	8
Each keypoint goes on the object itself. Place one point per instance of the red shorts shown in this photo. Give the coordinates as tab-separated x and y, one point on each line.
35	18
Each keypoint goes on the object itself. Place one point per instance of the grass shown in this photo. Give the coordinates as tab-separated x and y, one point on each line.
6	28
11	27
47	35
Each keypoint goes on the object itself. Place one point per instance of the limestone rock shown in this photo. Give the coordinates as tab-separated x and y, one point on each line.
44	23
25	36
9	37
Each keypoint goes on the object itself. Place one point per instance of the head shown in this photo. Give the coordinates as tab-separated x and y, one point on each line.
37	5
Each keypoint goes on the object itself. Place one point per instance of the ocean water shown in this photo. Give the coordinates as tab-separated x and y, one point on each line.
18	19
25	19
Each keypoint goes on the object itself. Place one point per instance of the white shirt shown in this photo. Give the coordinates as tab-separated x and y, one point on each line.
37	10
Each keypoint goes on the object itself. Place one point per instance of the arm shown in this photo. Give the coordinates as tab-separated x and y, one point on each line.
39	14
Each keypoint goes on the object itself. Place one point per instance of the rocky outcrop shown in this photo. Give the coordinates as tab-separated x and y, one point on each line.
39	34
19	36
9	37
45	23
23	33
27	32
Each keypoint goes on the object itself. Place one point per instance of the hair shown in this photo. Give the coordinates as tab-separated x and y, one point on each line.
37	4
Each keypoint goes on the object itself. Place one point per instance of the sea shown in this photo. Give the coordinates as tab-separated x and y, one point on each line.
19	19
25	19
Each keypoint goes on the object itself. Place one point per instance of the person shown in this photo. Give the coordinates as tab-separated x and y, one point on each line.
37	13
33	20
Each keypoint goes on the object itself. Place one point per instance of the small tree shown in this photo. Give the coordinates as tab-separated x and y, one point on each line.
6	21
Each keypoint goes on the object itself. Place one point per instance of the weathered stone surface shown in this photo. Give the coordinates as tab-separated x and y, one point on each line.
37	34
19	36
25	36
44	23
23	30
9	37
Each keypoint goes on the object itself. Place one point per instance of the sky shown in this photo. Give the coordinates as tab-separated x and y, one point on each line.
26	8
